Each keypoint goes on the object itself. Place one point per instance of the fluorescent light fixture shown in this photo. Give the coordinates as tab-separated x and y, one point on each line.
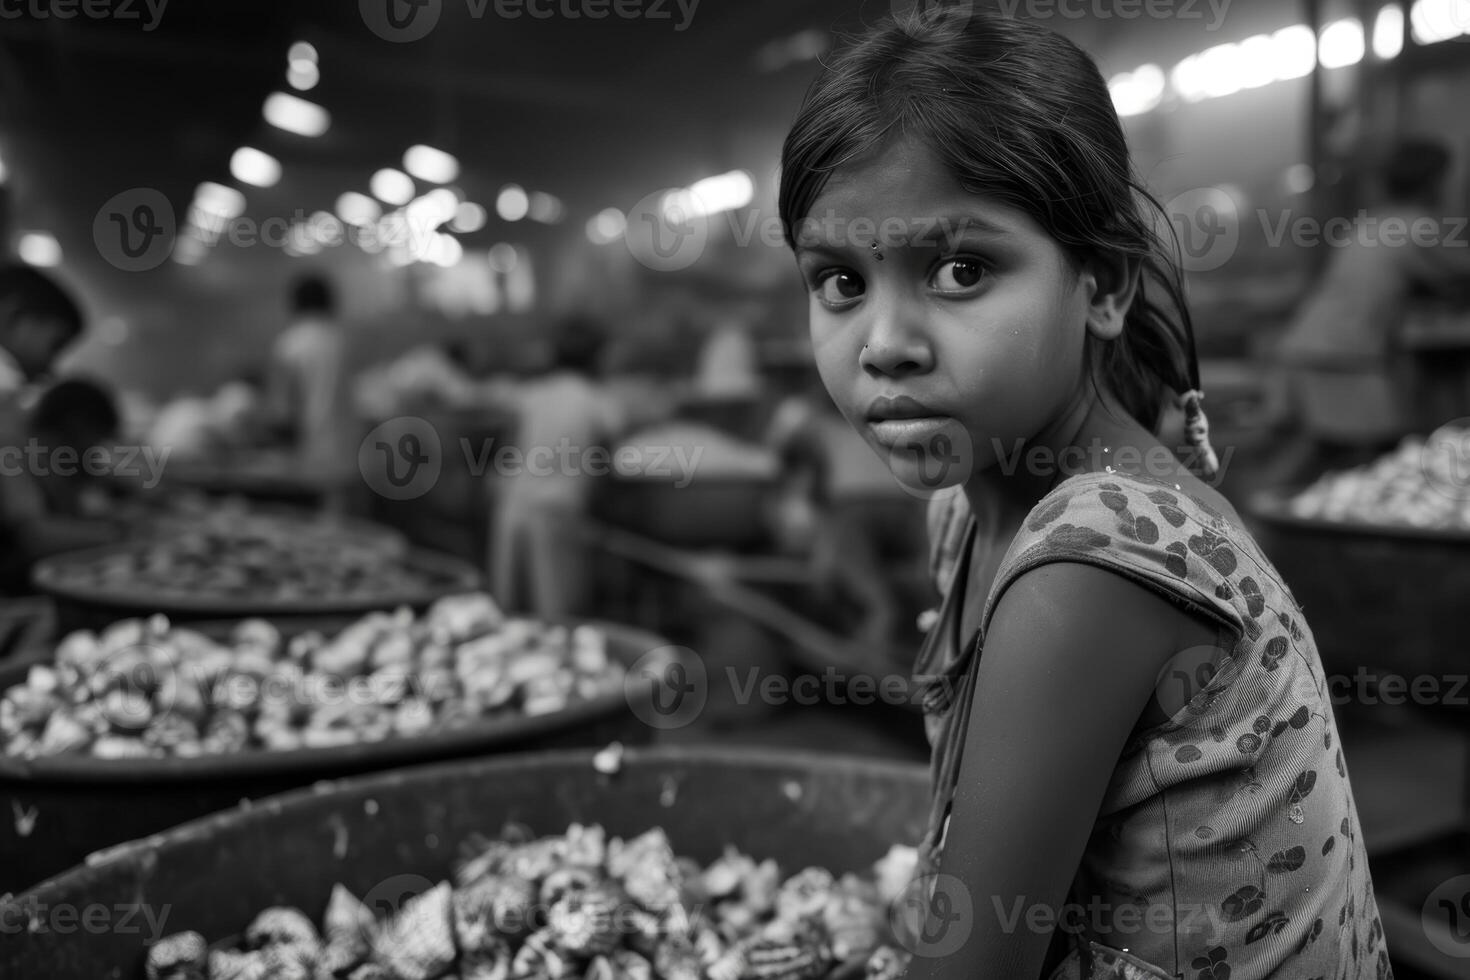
469	217
1342	44
1254	61
513	203
1296	52
358	209
1433	21
546	208
606	227
255	167
303	75
39	248
502	257
219	201
391	186
1138	91
432	166
295	115
1388	32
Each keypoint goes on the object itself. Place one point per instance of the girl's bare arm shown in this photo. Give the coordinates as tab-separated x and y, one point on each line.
1071	661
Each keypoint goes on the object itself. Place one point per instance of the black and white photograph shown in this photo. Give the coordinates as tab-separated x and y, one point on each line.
734	490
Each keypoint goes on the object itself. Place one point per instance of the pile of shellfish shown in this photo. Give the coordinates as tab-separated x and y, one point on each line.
149	689
577	905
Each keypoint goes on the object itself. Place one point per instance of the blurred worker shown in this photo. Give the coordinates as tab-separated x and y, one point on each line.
838	503
56	483
309	388
538	556
1339	352
38	320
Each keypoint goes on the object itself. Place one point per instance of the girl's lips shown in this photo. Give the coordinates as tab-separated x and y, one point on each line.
921	432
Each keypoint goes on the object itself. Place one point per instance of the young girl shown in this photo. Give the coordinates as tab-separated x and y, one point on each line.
1137	772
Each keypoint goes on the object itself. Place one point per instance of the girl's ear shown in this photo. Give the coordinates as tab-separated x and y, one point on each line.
1111	283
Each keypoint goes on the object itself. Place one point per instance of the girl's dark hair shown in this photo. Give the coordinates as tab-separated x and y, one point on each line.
1021	115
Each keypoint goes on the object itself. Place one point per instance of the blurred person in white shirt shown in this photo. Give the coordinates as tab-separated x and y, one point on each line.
309	390
538	556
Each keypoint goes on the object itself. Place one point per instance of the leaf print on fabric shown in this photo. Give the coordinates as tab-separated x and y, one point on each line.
1300	718
1049	511
1162	497
1147	530
1213	549
1284	862
1213	965
1110	486
1276	649
1174	556
1289	624
1172	514
1310	937
1243	903
1341	768
1248	743
1070	536
1328	845
1218	733
1281	726
1115	502
1255	603
1269	926
1260	725
1303	788
1188	753
1224	592
1205	833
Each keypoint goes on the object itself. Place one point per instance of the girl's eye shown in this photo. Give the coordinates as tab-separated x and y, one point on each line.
958	275
839	288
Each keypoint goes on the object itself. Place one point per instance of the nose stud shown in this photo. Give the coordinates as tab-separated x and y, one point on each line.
877	251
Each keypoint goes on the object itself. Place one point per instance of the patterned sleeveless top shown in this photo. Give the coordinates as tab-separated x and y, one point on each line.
1235	818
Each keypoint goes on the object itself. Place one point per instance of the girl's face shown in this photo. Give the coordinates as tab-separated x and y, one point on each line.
960	334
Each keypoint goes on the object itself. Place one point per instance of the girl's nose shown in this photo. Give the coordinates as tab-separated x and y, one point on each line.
894	351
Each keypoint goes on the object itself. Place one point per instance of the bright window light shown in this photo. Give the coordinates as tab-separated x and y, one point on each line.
430	165
295	115
1388	32
606	227
1296	52
469	217
391	186
1341	44
303	75
255	167
358	209
39	248
219	201
513	203
1433	21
